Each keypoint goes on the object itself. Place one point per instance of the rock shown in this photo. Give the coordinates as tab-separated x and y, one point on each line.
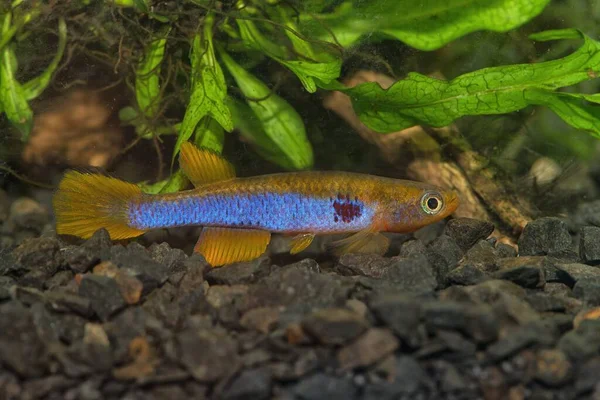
466	275
468	231
372	346
588	291
409	381
298	285
511	344
481	256
221	295
447	250
528	276
193	277
59	280
42	387
250	384
542	302
587	376
321	386
262	319
589	245
26	213
104	295
62	301
477	322
26	295
239	273
82	258
402	314
22	350
545	236
553	368
41	254
334	326
208	354
505	250
451	380
173	259
456	342
131	288
5	285
583	342
569	274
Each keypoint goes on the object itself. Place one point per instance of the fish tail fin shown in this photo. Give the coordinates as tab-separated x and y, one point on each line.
87	202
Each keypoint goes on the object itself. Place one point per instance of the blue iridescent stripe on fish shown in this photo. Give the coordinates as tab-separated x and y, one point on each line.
276	212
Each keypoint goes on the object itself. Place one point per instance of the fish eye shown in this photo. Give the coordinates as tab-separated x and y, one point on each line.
432	203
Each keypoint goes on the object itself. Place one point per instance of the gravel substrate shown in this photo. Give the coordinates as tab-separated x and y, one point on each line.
456	317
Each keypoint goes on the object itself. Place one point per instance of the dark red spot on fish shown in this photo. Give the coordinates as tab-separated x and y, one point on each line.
345	209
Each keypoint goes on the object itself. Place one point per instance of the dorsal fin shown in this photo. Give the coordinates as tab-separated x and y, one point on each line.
204	166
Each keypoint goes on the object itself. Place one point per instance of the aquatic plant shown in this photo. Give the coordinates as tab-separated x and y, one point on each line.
190	66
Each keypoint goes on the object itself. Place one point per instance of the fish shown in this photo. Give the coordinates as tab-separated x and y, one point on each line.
238	215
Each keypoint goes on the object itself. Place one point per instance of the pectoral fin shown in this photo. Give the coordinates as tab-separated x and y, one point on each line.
221	246
204	166
301	242
365	241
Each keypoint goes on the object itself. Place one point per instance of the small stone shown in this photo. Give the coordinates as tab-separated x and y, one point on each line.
5	284
402	315
583	342
456	342
208	354
26	213
82	258
482	256
478	322
511	344
528	276
26	295
173	259
40	254
59	280
41	388
558	289
588	291
250	384
262	319
22	350
505	250
468	231
587	376
589	245
104	295
450	379
542	302
62	301
545	236
222	295
334	326
239	273
367	349
321	386
466	275
571	273
130	287
408	382
553	368
447	250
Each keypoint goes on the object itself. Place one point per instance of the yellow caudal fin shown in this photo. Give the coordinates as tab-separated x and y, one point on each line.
204	166
221	246
87	202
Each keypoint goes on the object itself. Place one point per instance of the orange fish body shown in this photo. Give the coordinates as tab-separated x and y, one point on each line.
239	214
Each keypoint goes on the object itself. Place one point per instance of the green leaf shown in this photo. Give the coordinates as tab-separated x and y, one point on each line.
280	122
147	75
250	127
208	87
419	99
176	182
37	85
209	134
12	96
425	25
314	68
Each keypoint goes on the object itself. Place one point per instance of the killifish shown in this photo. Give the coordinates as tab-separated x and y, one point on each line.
238	215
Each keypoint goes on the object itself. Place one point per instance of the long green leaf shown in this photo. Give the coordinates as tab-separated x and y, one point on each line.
147	75
176	182
12	96
423	24
37	85
208	87
209	134
280	122
419	99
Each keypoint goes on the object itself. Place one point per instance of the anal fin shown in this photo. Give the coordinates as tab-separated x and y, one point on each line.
365	241
301	242
221	246
204	166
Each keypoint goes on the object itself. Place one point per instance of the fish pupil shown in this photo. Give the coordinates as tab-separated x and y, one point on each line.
432	203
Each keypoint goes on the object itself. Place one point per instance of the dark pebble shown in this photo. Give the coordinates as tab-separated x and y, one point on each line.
5	285
40	254
402	314
22	350
569	274
468	231
588	291
164	254
478	322
511	344
589	245
82	258
239	273
104	295
208	354
28	214
62	301
250	384
40	388
545	236
334	326
528	276
542	302
409	381
505	250
587	376
322	386
482	256
583	342
466	275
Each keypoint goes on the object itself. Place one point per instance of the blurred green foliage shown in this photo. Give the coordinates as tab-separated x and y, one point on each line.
201	53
